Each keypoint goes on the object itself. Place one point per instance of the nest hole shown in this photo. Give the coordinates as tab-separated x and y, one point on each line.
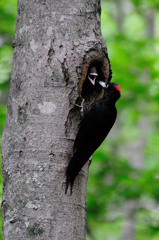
100	60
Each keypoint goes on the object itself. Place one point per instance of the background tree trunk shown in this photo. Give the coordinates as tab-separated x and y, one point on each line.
55	42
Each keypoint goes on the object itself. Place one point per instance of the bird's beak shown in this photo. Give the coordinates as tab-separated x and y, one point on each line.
92	77
103	84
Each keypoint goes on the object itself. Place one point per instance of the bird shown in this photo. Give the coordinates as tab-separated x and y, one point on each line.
90	82
94	127
91	86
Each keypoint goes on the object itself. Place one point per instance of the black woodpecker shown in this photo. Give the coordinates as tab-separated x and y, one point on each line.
94	127
90	83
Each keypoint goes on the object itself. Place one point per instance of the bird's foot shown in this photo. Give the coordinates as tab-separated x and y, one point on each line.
81	106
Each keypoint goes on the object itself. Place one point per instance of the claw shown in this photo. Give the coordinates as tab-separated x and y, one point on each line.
81	106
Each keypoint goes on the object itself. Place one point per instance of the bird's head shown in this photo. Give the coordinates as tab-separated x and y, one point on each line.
92	75
110	85
111	89
115	87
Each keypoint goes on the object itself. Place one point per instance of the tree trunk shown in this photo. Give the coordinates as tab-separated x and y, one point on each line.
55	42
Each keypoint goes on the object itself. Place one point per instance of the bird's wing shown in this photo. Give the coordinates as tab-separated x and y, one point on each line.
87	126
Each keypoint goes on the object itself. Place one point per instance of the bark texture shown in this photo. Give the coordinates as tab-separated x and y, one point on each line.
55	42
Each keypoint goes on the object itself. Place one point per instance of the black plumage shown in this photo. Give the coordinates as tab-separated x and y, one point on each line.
94	127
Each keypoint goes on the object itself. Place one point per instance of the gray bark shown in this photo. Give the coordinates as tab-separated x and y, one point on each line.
119	15
150	17
129	224
54	44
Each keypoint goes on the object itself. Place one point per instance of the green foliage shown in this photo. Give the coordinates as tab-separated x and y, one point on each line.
113	177
7	17
5	64
7	29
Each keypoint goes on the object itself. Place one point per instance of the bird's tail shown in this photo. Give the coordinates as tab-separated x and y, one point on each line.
72	171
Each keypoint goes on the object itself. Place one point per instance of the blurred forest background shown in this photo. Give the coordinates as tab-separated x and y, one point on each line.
123	186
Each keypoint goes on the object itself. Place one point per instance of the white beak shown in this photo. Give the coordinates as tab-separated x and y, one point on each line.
103	84
92	80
